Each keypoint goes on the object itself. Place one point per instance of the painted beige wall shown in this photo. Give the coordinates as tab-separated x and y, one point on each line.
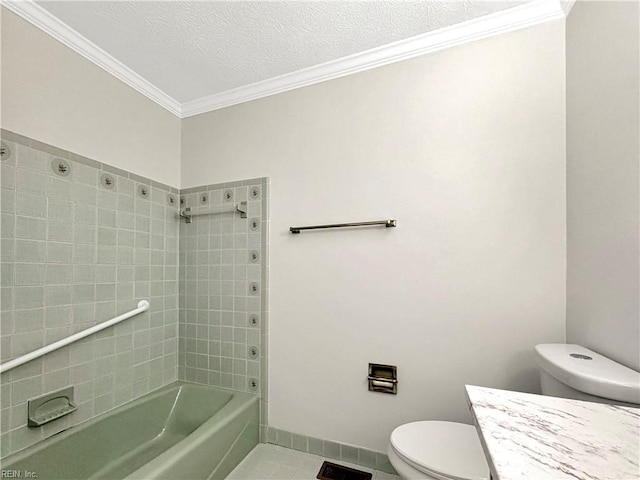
466	149
54	95
603	170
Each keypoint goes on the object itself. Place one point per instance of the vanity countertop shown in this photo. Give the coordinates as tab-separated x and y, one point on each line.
535	437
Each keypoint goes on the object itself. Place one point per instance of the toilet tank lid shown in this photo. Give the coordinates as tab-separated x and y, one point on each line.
596	375
442	449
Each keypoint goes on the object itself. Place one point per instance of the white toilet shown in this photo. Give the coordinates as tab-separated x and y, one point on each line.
434	450
437	450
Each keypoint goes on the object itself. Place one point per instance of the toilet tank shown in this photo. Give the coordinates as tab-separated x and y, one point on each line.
572	371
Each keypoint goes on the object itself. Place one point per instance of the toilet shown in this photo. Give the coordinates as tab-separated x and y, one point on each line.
437	450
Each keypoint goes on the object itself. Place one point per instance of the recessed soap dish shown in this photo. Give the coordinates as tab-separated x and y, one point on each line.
51	406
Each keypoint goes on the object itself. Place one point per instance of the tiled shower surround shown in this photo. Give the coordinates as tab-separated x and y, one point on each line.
223	288
83	242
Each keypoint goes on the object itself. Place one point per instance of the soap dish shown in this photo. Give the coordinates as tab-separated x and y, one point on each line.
51	406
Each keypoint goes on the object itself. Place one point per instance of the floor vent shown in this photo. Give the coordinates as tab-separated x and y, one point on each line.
331	471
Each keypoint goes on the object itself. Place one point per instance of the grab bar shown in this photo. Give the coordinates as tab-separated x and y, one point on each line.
240	208
143	306
386	223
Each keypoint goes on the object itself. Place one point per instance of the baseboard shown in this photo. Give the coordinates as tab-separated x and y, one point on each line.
328	449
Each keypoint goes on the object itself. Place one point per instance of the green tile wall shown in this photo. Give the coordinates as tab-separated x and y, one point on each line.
75	253
224	287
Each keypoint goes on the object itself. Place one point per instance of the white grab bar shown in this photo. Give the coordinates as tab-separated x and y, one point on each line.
143	306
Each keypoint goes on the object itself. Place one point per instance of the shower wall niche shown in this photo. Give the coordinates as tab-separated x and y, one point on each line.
223	287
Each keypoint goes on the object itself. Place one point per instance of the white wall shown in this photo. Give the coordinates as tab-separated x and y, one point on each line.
603	190
54	95
466	149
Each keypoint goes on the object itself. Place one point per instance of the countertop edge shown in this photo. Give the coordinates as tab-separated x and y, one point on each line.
487	453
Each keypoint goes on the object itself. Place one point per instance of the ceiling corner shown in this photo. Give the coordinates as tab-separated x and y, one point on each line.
567	5
48	23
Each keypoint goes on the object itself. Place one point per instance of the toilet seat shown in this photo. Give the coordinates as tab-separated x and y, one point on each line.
446	450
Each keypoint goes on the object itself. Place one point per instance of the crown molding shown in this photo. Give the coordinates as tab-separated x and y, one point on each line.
567	5
515	18
48	23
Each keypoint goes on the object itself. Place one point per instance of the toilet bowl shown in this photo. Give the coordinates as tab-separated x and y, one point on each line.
432	450
435	450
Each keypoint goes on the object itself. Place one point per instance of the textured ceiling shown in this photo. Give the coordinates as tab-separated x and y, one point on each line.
193	49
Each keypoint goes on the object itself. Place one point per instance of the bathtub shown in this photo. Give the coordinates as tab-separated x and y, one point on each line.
181	431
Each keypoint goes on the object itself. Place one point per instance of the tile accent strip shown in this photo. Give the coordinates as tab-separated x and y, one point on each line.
326	448
28	142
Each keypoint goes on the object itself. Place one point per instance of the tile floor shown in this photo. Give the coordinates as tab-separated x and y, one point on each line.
271	461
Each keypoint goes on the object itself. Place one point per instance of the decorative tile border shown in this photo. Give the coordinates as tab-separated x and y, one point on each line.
326	448
258	209
65	154
216	186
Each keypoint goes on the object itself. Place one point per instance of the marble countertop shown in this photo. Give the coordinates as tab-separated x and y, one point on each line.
528	436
